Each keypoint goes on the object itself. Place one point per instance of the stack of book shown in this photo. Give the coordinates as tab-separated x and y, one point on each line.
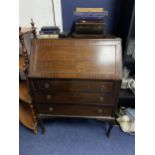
47	32
93	13
90	20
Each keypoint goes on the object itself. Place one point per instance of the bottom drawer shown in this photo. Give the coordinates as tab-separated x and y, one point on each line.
75	110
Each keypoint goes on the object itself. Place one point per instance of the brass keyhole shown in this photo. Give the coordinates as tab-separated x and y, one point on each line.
48	97
100	111
102	87
101	98
51	109
47	85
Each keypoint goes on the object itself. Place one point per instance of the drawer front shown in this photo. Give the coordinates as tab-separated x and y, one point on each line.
72	97
72	85
75	110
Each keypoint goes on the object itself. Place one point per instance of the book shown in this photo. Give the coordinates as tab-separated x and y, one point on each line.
48	36
50	28
48	32
91	14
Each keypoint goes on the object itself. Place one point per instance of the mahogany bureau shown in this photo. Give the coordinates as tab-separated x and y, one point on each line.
75	77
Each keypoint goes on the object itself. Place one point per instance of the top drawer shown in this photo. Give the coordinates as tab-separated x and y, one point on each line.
73	85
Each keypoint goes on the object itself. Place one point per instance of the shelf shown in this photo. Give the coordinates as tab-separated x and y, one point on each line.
126	94
21	64
23	92
25	116
25	111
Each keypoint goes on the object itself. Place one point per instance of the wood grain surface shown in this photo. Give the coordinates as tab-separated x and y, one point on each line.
76	58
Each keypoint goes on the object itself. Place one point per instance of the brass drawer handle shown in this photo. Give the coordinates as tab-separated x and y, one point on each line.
47	85
51	109
48	97
101	99
102	87
100	111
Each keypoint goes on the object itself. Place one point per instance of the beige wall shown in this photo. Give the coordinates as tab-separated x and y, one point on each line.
41	11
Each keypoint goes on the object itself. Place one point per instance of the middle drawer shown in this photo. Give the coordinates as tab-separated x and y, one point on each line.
74	97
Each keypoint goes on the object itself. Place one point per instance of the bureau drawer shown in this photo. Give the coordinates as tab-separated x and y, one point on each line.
74	97
73	85
75	110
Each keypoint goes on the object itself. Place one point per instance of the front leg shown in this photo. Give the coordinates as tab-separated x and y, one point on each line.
41	124
109	129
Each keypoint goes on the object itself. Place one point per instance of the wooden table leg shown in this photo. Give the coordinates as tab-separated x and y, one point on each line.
110	123
41	124
109	129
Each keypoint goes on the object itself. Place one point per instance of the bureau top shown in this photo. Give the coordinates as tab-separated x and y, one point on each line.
76	59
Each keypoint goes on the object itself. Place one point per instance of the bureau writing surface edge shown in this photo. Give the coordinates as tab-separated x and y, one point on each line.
75	77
